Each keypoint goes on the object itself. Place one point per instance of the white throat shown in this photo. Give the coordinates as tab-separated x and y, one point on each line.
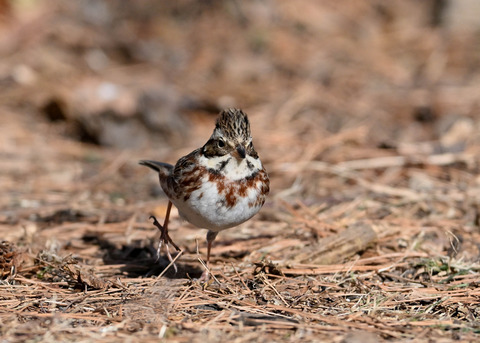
232	168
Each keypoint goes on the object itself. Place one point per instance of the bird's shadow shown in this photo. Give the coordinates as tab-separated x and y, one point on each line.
140	259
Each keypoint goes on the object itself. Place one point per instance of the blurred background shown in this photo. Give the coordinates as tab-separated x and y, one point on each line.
87	88
366	114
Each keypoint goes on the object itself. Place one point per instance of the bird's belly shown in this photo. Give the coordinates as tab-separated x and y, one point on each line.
209	208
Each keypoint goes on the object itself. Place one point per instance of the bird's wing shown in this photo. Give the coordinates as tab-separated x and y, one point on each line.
185	165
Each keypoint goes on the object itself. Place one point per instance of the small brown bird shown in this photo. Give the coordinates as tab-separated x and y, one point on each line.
217	186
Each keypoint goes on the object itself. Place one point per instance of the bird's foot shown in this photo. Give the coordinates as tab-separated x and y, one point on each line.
165	240
205	277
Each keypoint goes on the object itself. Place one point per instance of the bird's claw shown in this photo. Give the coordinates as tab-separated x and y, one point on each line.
205	277
164	240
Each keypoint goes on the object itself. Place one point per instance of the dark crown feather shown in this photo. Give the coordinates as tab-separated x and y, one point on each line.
234	123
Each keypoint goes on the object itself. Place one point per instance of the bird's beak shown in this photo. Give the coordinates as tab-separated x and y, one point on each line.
239	152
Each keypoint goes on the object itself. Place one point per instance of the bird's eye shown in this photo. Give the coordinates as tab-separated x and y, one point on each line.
221	143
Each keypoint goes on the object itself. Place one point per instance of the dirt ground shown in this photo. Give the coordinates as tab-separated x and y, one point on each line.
366	115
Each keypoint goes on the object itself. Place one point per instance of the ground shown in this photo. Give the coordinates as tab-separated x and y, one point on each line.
364	113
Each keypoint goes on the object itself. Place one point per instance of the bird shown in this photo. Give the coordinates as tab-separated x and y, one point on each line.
217	186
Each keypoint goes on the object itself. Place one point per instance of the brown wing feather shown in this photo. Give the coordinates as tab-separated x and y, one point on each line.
186	176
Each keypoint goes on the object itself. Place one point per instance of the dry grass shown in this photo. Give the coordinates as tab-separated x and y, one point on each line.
371	233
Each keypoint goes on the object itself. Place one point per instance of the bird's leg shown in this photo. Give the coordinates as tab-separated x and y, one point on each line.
164	237
211	235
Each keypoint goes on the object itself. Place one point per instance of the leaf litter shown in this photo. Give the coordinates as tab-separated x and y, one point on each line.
372	228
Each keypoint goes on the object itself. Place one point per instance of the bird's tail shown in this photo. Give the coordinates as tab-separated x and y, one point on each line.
157	166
